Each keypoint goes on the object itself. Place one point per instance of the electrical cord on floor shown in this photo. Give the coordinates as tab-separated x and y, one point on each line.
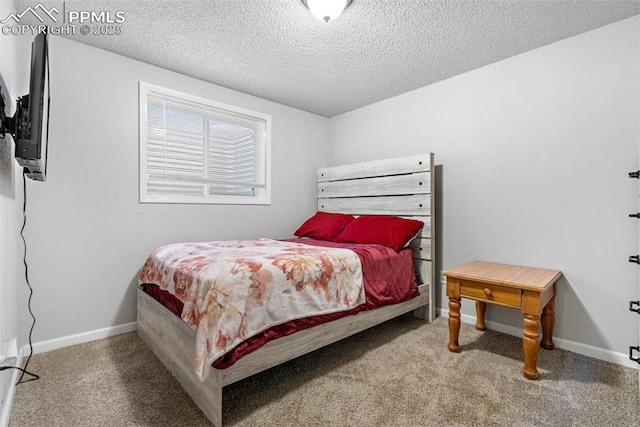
26	276
24	371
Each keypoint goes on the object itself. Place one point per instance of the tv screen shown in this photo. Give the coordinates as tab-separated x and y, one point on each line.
32	115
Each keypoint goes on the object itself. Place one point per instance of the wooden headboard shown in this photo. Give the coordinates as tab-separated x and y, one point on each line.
402	186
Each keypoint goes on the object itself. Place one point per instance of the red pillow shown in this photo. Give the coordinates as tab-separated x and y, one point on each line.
324	225
390	231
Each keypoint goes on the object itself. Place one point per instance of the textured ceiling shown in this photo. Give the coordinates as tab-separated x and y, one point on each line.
377	49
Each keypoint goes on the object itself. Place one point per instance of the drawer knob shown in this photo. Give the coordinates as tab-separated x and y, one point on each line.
488	292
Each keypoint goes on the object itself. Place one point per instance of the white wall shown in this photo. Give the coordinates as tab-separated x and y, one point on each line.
14	69
87	233
535	152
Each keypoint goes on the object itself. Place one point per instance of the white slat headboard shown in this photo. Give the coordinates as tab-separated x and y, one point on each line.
402	186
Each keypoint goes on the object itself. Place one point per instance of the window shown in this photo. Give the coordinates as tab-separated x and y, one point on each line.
194	150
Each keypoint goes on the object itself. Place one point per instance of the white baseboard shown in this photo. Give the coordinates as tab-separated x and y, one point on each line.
576	347
44	346
5	410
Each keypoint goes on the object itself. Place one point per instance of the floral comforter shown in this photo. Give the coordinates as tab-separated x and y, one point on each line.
234	290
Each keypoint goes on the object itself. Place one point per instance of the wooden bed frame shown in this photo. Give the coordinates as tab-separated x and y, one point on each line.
401	187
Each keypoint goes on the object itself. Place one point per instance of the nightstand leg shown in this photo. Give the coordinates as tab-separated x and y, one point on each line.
548	321
481	307
454	324
531	346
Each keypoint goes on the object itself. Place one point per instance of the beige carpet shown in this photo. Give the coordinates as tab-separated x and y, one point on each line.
397	374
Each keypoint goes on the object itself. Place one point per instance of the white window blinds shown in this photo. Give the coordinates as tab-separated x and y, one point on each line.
195	150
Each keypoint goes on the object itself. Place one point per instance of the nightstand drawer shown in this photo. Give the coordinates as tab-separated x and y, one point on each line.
491	293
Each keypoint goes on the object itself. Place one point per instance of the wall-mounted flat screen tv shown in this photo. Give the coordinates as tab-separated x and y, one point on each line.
30	124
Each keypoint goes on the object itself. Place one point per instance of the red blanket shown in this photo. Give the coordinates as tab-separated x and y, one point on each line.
388	276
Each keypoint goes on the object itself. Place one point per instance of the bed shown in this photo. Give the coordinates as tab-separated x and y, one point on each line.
400	187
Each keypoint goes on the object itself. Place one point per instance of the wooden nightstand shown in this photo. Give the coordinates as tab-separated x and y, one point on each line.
532	290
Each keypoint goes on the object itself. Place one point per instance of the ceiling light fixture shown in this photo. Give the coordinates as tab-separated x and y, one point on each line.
326	10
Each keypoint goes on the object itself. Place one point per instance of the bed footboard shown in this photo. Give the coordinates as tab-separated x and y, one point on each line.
173	342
